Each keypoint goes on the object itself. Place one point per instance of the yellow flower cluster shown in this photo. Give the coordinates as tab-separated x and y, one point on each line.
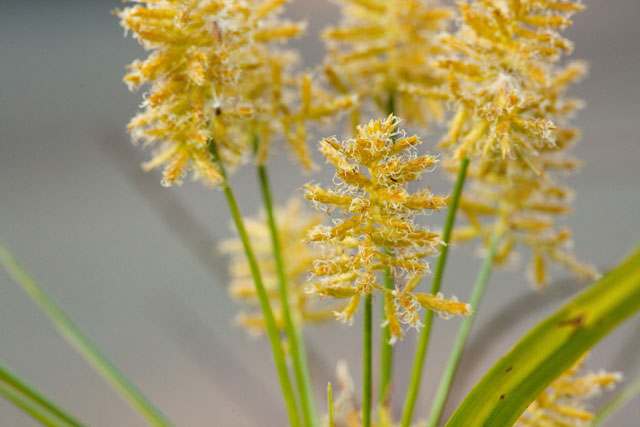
511	122
385	49
563	402
505	78
376	229
293	224
211	74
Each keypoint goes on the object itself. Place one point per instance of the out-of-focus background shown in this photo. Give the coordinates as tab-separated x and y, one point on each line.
133	263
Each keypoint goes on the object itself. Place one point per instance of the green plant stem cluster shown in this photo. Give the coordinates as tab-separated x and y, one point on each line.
32	402
269	319
295	337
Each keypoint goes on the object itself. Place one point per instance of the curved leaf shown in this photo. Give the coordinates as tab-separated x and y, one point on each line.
550	348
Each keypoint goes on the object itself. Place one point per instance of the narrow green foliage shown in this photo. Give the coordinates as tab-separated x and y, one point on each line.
550	348
330	400
32	402
386	352
366	361
109	372
294	335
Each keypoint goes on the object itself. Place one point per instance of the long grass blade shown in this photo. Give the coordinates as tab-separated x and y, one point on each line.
26	397
82	343
550	348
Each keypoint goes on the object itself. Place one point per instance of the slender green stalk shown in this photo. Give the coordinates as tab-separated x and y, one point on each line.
425	333
29	407
625	396
386	351
13	387
296	343
269	320
366	361
330	399
391	102
463	333
121	384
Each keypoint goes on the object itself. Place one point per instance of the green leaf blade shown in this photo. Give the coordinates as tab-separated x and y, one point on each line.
550	348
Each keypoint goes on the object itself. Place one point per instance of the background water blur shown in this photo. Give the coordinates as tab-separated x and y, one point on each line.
108	242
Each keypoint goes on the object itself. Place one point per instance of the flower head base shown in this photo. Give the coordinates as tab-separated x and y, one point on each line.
376	229
205	75
385	48
293	225
563	402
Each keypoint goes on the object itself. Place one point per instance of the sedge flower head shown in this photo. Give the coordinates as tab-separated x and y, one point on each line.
293	224
385	49
206	61
374	229
563	403
505	78
511	121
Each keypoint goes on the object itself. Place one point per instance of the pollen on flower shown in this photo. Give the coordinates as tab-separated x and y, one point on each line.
293	223
564	402
375	229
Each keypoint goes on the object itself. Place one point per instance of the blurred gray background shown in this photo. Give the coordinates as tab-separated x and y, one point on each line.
132	262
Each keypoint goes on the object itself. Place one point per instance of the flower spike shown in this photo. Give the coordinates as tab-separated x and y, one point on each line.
375	229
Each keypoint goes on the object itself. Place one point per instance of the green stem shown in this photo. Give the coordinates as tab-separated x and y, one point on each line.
366	361
29	407
17	390
330	399
386	351
391	103
296	344
463	333
621	399
82	344
269	320
425	333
